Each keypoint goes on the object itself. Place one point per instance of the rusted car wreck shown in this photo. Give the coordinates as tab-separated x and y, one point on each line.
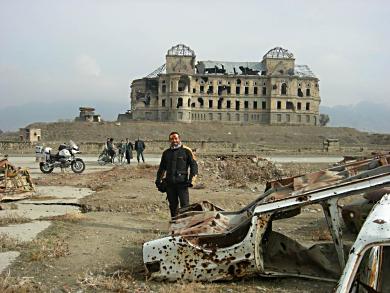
209	244
15	183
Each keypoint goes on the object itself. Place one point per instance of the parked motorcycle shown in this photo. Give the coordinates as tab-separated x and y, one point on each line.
65	158
104	158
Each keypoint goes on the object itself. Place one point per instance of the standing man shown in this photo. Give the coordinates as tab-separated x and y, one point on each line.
175	162
129	150
139	146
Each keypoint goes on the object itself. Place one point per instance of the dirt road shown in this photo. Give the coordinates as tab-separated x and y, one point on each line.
101	250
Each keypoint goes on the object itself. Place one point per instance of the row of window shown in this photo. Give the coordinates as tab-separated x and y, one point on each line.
237	104
287	118
226	90
281	118
227	117
290	106
220	105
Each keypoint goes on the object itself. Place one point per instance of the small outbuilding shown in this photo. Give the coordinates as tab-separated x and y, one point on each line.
87	114
30	134
331	144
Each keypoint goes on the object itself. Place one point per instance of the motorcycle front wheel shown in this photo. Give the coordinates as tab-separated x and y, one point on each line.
78	166
45	167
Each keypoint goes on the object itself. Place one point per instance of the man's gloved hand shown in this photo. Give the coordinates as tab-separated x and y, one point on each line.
189	184
161	185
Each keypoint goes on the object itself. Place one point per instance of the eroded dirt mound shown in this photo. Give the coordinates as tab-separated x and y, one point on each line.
238	171
244	171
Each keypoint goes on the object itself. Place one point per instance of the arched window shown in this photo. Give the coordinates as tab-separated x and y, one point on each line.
188	103
284	89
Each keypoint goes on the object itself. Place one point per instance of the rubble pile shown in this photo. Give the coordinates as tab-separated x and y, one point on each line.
239	170
15	183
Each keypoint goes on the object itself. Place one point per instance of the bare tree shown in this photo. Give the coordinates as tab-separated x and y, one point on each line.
324	119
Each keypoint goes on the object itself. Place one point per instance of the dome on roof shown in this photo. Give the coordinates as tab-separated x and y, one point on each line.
180	50
279	52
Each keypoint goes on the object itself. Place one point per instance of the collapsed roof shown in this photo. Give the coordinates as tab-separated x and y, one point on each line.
235	68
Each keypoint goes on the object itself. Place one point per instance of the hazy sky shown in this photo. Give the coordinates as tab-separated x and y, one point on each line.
80	49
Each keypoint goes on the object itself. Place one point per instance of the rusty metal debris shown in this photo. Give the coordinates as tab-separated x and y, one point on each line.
15	183
213	244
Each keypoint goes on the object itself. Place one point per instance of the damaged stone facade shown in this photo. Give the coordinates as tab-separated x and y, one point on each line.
272	91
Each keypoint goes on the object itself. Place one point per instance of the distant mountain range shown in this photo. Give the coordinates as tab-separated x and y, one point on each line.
365	116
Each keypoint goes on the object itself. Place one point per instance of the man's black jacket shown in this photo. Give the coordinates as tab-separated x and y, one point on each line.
139	145
175	162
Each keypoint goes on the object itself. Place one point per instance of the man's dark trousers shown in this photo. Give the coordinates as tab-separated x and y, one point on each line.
176	193
140	154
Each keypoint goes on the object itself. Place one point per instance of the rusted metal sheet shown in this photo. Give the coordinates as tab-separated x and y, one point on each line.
207	222
218	245
373	238
15	183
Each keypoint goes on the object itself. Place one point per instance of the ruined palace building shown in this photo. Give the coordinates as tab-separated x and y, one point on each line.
274	90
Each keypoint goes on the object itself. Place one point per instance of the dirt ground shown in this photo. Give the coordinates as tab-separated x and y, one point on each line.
101	250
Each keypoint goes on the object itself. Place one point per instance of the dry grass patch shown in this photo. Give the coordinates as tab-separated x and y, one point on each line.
193	287
118	281
10	284
13	219
8	244
70	217
41	249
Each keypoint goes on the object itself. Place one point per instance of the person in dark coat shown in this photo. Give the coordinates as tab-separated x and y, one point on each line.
175	162
139	146
129	150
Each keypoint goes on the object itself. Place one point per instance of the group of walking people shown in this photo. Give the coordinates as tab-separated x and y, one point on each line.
124	150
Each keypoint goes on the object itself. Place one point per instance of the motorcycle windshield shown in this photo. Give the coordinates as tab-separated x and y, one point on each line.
73	145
